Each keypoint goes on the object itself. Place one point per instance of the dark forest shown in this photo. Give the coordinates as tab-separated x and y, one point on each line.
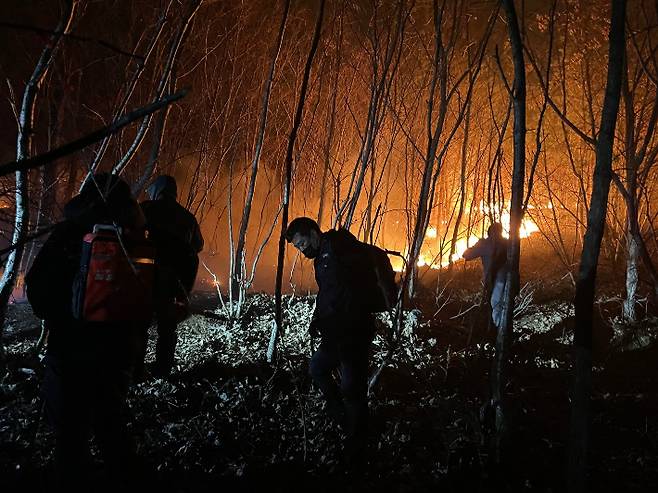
419	127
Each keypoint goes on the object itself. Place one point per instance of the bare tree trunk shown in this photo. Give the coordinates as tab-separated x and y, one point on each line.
585	286
499	376
630	196
462	183
130	88
639	158
232	302
382	78
47	178
156	146
632	275
439	82
162	85
332	125
436	130
647	260
23	149
278	315
237	279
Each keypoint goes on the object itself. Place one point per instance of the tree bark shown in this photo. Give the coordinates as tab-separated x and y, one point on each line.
632	276
462	183
130	88
46	204
162	85
585	286
278	315
499	376
23	149
630	197
238	273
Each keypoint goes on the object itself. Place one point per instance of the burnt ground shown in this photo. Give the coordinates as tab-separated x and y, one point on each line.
227	420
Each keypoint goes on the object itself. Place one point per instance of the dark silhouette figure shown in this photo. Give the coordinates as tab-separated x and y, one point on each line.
344	324
178	240
493	252
88	364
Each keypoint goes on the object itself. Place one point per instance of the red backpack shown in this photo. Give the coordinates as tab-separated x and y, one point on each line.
115	279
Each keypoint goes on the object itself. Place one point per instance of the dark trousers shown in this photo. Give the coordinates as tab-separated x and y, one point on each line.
172	306
165	347
166	322
351	398
85	397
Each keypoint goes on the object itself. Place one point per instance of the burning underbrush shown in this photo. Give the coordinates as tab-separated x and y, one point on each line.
227	419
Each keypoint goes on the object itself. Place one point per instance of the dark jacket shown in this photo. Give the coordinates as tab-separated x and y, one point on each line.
168	216
49	281
178	240
339	309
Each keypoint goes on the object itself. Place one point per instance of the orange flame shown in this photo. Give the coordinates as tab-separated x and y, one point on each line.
429	259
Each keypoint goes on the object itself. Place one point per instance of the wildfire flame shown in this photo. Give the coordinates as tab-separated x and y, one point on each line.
427	258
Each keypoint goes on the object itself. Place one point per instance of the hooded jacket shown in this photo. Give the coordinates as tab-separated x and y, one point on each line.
166	215
104	200
177	236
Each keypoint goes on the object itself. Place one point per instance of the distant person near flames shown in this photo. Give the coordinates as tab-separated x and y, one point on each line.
178	241
493	252
354	279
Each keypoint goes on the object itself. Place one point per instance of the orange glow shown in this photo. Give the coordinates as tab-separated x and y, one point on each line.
461	246
397	263
528	226
429	258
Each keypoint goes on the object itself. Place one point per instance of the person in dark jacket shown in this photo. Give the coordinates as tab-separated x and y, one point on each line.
177	236
345	326
88	364
492	250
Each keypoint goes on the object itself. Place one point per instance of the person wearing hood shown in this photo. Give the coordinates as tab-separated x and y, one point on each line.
88	365
344	324
177	236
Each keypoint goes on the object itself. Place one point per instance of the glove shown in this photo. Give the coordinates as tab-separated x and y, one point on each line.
314	328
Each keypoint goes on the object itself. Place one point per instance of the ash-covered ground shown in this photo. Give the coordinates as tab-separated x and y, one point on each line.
228	421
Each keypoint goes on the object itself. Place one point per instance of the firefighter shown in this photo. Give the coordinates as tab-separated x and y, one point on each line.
88	365
178	240
344	324
492	250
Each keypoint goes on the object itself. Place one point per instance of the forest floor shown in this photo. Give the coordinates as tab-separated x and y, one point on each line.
227	420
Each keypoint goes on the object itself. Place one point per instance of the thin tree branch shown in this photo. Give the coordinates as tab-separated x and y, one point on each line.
81	143
75	37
